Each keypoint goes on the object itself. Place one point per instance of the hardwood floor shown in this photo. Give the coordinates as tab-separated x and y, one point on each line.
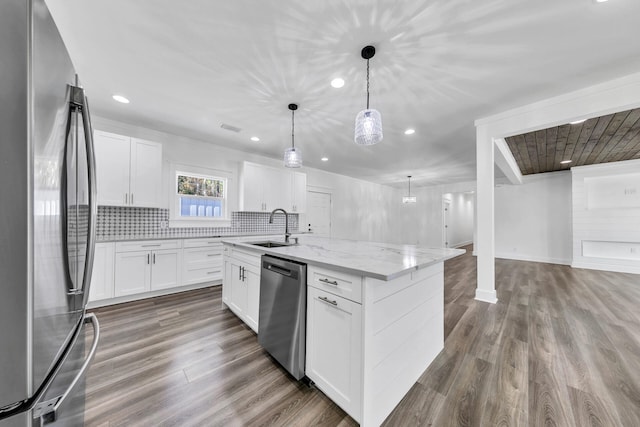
561	347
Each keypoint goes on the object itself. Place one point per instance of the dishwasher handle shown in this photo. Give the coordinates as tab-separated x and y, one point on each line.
278	269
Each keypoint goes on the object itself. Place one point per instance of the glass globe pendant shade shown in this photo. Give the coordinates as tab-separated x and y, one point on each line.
292	158
368	127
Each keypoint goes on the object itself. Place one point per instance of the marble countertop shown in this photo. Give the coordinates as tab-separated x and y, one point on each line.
377	260
145	237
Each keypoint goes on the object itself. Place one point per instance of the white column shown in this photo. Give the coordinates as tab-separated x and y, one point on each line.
485	224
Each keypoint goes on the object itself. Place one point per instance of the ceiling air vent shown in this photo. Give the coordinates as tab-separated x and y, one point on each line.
231	128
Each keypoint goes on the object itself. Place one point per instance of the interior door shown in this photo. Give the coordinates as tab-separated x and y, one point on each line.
319	213
446	222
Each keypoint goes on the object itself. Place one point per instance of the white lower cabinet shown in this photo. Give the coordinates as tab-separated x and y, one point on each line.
334	348
241	285
133	273
102	276
202	261
147	266
165	269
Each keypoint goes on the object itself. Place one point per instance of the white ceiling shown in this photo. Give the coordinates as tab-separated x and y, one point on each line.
189	66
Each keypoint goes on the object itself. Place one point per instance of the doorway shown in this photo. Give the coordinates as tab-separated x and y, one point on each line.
457	219
319	213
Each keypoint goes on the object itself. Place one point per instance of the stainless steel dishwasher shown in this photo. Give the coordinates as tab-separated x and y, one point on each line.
283	312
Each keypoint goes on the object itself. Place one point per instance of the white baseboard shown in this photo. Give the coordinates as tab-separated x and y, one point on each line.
144	295
486	296
607	267
531	258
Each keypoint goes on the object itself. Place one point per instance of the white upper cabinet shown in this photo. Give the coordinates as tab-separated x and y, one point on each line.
298	192
128	170
263	189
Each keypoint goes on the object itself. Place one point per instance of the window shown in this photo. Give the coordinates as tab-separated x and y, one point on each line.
200	197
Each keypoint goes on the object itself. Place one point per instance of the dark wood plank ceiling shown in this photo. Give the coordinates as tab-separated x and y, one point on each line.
603	139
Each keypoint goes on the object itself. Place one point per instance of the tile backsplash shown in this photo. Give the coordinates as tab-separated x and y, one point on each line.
124	223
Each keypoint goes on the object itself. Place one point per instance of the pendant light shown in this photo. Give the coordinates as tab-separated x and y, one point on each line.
368	121
292	156
409	198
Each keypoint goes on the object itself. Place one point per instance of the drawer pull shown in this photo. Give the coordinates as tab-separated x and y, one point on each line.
327	300
213	272
213	254
329	282
151	246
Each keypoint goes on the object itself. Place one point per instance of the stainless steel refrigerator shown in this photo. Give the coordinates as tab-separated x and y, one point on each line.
47	223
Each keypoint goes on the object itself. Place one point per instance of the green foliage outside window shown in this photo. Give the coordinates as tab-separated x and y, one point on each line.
195	186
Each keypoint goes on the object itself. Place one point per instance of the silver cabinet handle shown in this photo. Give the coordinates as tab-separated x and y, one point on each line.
213	272
148	258
239	273
329	282
131	198
216	254
327	300
126	198
154	258
151	246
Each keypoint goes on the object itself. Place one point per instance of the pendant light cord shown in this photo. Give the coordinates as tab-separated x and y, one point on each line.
367	84
292	129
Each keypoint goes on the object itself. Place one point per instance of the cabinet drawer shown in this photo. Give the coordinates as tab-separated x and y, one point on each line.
150	245
342	284
202	255
200	275
199	243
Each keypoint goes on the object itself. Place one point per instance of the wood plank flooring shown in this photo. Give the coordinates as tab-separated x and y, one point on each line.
561	347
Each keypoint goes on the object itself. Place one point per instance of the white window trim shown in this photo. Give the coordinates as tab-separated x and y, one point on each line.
175	221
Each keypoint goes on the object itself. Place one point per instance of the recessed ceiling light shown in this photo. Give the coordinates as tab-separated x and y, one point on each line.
577	122
121	99
325	159
564	162
255	139
337	82
409	131
600	1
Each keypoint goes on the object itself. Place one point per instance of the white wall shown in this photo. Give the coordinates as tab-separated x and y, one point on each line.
606	216
361	210
533	220
422	221
460	227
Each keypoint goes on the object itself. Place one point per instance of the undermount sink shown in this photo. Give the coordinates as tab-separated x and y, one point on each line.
270	244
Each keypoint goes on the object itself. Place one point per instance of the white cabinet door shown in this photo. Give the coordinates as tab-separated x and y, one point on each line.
334	348
238	297
112	168
253	184
226	280
132	273
299	192
277	189
146	173
102	276
252	283
164	269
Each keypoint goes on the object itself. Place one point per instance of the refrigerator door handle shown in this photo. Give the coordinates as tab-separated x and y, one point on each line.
48	410
80	101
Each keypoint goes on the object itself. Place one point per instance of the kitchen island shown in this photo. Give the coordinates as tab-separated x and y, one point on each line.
375	314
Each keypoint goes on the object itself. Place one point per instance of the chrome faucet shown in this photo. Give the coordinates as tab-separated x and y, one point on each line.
286	223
